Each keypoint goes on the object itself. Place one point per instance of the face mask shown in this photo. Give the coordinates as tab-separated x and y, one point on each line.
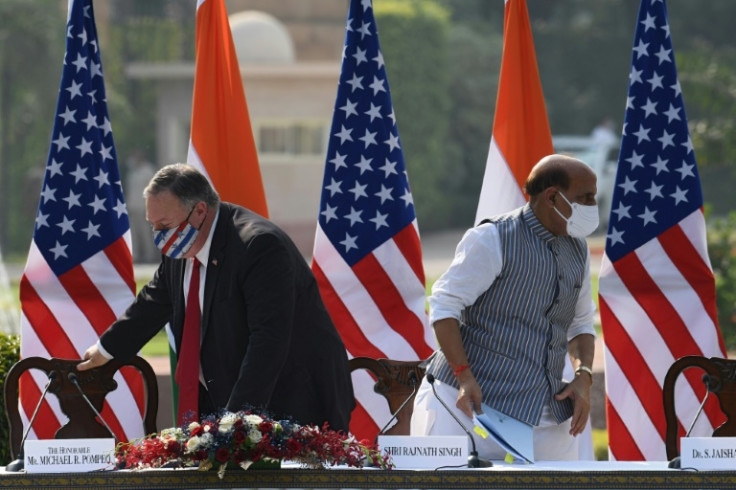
176	242
583	221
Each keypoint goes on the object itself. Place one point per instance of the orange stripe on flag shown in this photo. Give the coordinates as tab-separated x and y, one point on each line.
521	131
520	126
221	133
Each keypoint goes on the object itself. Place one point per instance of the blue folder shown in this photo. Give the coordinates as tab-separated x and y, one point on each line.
513	435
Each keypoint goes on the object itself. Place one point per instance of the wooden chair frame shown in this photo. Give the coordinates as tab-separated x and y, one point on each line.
96	384
721	377
394	382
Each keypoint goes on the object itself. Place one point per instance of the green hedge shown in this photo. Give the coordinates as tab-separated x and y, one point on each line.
9	355
722	252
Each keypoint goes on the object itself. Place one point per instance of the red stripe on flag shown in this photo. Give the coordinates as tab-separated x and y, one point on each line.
672	329
362	423
622	446
134	380
674	332
51	334
112	420
96	309
698	274
407	240
388	300
634	367
88	298
46	423
120	257
352	336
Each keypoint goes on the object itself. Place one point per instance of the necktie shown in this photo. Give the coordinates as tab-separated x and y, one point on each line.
187	367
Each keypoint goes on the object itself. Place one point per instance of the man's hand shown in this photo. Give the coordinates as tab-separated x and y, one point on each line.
94	358
579	391
469	397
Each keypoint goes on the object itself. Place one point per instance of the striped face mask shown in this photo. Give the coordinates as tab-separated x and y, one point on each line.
176	242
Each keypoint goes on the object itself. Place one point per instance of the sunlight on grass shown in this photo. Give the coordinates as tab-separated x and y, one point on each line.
157	346
600	444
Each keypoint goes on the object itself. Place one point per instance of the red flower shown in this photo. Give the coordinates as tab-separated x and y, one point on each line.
222	455
309	445
239	456
293	446
239	437
266	426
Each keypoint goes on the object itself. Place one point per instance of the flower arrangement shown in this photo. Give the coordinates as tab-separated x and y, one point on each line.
243	439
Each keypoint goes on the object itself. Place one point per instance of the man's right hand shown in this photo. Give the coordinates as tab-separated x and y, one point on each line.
93	358
470	395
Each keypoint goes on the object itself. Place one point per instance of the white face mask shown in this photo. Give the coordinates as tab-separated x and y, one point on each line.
583	221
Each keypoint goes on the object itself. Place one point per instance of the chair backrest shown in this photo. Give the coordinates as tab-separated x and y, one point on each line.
720	379
95	383
395	381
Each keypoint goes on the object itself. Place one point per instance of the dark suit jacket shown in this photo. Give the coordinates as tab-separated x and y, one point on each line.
268	340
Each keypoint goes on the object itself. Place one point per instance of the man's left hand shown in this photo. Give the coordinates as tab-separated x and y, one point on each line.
579	391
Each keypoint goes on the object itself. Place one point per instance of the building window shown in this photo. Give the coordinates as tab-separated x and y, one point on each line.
292	138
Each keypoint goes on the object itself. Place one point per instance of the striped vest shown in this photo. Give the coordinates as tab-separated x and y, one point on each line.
515	334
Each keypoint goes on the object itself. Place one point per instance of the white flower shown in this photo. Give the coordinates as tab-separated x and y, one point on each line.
253	420
227	421
193	426
193	444
174	433
255	435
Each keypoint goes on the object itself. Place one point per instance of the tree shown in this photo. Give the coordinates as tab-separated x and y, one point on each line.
413	36
31	53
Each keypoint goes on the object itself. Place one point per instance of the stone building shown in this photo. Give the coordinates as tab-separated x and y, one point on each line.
289	53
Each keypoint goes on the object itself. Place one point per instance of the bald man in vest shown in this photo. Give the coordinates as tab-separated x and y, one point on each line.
514	302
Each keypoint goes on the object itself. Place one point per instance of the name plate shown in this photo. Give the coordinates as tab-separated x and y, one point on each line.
68	455
708	453
425	452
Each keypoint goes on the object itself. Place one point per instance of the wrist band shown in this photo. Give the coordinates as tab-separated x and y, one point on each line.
460	369
584	369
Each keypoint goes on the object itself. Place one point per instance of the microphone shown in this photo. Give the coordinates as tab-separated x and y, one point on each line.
712	384
413	381
473	460
18	464
75	381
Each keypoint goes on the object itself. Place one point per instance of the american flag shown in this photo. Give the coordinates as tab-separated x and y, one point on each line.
367	255
79	273
656	290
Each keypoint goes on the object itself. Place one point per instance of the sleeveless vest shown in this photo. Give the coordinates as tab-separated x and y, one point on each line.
515	334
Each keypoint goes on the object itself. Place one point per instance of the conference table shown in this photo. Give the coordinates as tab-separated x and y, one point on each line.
542	475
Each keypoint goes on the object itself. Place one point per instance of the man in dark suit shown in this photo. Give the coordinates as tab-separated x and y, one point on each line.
266	339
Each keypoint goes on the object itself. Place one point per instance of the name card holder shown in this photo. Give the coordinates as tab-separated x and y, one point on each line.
425	452
708	453
69	455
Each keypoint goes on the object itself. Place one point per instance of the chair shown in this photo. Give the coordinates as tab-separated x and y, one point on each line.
95	383
719	378
395	383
